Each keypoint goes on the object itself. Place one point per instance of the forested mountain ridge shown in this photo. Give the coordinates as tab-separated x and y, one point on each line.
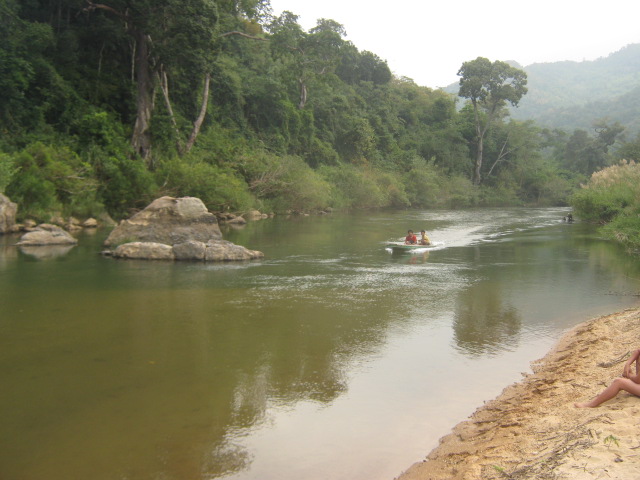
572	95
108	105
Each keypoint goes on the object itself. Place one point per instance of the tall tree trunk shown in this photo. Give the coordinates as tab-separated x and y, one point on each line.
164	86
203	111
140	140
481	131
479	146
477	179
303	93
503	153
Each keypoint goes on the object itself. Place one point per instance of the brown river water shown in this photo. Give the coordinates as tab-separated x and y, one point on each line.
332	358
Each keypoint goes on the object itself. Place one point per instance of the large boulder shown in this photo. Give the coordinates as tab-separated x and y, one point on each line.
175	229
254	215
144	251
223	250
8	211
90	223
189	250
47	234
170	221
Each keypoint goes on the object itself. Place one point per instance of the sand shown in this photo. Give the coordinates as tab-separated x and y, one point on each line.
533	431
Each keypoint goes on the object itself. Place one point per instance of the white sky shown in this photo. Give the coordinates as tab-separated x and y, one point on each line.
428	40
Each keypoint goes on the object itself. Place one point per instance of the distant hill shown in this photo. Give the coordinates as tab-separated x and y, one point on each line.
572	95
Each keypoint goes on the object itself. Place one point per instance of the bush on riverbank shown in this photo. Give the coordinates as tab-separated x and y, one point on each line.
53	178
612	198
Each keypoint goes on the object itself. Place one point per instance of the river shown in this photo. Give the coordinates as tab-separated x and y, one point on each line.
330	359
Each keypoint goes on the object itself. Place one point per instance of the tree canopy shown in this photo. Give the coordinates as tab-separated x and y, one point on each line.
489	86
106	105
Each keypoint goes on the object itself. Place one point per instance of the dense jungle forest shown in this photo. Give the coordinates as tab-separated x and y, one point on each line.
106	106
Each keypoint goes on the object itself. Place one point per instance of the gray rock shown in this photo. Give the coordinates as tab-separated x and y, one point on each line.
175	229
56	219
253	215
47	234
106	220
236	221
170	221
223	250
90	223
72	227
190	250
8	211
144	251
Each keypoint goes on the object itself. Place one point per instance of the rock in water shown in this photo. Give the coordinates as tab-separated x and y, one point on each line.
8	211
170	221
175	229
47	234
144	251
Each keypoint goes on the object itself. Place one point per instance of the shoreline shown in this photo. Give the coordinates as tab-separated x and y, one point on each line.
532	429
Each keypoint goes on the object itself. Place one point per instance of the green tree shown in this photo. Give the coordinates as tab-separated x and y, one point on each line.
310	55
7	171
166	35
53	179
364	66
489	86
587	154
629	150
33	92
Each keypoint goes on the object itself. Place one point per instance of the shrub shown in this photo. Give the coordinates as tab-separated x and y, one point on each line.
457	191
626	230
392	189
286	183
612	196
125	183
354	187
422	184
219	188
499	191
7	171
610	192
52	178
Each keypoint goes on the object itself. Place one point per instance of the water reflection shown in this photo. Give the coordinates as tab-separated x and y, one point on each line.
46	252
483	322
8	251
410	258
282	368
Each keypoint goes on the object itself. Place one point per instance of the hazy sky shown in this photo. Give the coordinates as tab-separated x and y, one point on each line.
428	40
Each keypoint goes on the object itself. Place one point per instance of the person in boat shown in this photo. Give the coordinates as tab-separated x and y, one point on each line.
411	238
629	382
424	240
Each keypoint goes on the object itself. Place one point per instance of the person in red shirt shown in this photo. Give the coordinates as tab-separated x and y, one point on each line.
410	239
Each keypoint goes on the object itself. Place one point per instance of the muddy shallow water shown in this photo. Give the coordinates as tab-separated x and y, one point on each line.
330	358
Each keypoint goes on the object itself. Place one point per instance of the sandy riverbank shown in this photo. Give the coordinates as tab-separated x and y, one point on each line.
533	431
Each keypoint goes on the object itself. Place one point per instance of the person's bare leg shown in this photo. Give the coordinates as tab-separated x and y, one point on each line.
611	391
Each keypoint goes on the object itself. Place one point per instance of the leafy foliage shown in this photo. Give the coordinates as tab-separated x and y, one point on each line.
612	197
53	180
7	171
94	116
489	87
